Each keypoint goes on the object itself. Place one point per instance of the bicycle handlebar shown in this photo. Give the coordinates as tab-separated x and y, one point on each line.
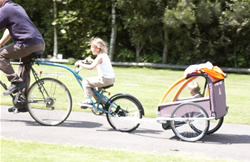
77	69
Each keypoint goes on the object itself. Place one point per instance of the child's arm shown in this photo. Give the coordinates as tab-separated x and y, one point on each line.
89	60
95	62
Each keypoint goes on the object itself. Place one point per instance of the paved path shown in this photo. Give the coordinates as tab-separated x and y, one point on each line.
231	141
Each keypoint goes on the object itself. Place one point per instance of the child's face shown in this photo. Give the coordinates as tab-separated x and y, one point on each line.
95	50
191	91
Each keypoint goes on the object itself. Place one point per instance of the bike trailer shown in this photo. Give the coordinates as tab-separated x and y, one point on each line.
214	103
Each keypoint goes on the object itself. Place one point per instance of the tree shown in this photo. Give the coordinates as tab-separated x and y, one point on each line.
80	20
235	24
137	20
55	51
178	21
163	5
113	31
159	31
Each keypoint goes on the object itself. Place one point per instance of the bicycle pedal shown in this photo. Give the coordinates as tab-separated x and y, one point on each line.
13	110
94	109
84	107
16	111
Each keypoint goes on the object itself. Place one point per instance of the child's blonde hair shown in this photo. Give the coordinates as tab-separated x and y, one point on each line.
99	43
194	87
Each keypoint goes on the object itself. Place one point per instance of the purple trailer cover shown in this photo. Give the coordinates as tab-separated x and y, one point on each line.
215	105
167	109
218	98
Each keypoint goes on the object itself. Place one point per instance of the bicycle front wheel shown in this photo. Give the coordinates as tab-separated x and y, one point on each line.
49	101
124	113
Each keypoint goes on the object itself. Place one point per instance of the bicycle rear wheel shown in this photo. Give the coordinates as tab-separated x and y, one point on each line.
194	125
49	101
124	113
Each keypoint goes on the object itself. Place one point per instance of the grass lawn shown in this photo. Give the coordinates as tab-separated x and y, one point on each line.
21	151
149	85
146	84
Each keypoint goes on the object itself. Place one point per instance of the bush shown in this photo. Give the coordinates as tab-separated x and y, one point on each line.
125	55
71	61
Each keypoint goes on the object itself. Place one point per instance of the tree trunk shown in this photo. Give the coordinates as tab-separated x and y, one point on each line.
165	50
138	51
235	56
113	32
55	50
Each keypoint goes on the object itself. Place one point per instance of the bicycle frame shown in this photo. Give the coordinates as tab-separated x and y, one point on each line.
77	76
79	79
100	95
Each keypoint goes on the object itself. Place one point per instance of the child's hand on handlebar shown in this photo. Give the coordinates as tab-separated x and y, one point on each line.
78	63
89	60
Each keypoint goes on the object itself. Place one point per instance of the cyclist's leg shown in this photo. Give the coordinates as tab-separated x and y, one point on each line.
24	70
13	51
10	51
24	73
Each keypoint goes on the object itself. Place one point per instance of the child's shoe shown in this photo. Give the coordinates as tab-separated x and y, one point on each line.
86	104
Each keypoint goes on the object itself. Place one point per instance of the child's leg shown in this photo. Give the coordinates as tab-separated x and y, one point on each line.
87	89
89	83
95	82
104	82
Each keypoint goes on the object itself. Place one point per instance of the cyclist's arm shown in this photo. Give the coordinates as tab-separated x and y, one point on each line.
5	38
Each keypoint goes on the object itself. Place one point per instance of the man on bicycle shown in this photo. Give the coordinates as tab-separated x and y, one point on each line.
26	40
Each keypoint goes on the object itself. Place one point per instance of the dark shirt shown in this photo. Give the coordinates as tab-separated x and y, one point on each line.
22	30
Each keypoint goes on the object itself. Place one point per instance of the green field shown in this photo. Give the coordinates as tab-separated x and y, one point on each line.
149	85
20	151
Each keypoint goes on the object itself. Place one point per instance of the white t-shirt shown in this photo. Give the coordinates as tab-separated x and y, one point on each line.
105	69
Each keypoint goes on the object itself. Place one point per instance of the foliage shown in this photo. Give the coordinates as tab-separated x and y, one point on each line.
71	61
80	20
181	32
235	24
139	20
125	55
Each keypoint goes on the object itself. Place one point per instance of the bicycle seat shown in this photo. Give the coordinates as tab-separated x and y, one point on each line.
36	54
106	87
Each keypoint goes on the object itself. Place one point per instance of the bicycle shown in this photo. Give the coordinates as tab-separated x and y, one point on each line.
49	102
42	94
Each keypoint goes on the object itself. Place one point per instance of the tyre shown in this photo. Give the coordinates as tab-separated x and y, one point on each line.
192	123
166	125
124	113
215	125
49	101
